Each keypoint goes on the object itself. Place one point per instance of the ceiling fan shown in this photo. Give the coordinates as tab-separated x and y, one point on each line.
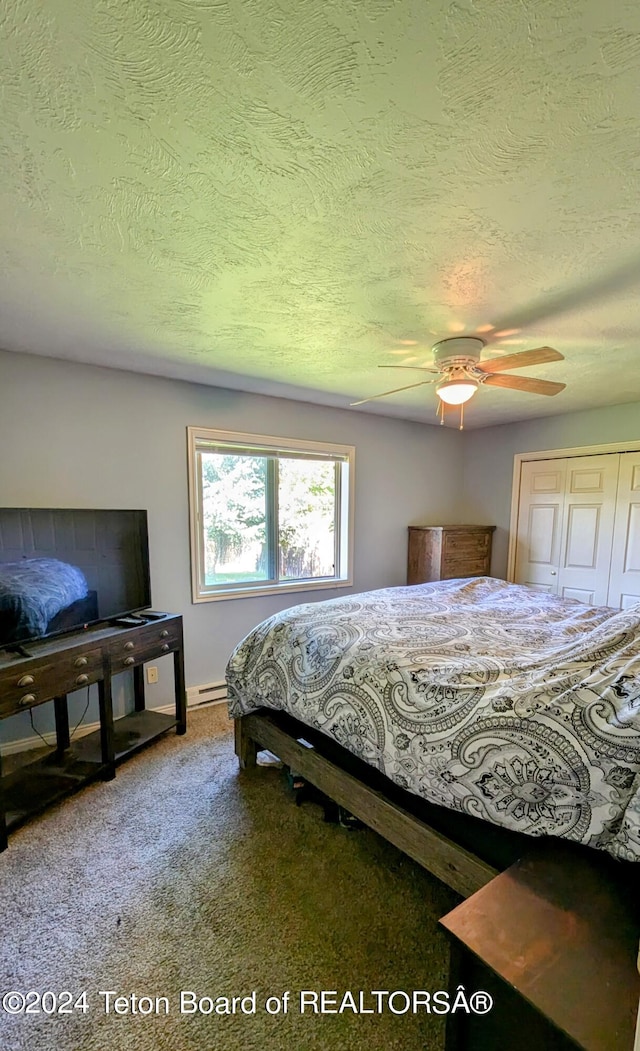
459	372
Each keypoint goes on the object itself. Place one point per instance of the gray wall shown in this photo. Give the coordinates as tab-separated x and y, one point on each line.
489	453
78	436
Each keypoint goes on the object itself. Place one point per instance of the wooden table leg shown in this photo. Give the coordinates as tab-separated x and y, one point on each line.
181	693
138	688
107	737
3	816
61	710
454	1039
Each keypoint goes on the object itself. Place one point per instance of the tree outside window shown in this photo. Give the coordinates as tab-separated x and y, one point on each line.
268	516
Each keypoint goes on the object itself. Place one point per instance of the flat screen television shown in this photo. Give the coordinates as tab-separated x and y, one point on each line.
62	569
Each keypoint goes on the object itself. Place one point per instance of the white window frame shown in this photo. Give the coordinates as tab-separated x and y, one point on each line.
345	454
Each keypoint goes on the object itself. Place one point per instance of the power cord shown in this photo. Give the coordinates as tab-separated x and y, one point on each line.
35	729
43	738
86	708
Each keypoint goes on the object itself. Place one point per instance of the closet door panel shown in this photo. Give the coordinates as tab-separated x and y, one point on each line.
580	595
587	528
624	588
540	517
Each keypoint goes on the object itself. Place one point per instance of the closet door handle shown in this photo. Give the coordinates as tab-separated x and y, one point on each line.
553	573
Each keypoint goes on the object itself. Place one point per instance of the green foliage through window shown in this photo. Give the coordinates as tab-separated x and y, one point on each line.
269	517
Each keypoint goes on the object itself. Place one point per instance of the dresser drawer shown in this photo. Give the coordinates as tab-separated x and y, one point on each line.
465	544
144	644
464	567
23	687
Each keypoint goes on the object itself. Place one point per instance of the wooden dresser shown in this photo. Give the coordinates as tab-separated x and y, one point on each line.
445	552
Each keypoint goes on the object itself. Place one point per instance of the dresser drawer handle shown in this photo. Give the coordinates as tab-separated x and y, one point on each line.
80	662
28	698
164	634
129	660
82	680
128	645
26	680
165	648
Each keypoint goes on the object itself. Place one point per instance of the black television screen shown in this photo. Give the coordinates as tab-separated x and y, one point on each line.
61	569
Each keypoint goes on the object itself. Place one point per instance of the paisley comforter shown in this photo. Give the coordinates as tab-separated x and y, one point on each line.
485	697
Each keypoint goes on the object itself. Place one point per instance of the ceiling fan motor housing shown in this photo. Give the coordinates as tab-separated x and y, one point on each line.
459	352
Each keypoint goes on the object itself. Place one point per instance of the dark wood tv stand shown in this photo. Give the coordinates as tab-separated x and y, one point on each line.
56	667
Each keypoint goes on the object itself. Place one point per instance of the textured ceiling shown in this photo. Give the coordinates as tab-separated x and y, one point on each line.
283	196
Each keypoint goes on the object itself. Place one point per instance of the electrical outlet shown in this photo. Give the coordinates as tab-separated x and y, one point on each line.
152	675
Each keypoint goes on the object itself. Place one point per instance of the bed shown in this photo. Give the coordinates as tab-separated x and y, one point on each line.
490	704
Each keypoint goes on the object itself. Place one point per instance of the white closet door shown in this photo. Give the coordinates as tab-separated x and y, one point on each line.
587	528
624	588
540	520
565	527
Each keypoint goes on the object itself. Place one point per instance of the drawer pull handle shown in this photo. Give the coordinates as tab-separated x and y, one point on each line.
80	662
164	634
165	648
28	698
129	660
26	680
82	680
128	645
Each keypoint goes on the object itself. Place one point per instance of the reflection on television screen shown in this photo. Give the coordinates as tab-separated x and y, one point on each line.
63	569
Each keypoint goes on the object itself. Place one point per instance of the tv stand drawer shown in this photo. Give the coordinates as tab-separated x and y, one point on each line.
33	682
145	644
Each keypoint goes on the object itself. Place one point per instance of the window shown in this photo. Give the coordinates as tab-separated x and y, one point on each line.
268	514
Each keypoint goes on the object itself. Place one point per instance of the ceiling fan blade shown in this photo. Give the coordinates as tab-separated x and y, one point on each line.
532	386
396	391
420	368
521	359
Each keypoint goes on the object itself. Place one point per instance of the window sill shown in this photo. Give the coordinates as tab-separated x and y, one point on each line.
272	589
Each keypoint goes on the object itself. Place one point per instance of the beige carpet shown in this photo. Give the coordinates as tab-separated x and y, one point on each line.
183	874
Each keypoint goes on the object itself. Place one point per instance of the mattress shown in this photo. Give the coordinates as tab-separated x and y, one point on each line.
488	698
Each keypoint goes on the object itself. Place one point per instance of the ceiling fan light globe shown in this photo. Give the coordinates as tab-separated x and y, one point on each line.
457	392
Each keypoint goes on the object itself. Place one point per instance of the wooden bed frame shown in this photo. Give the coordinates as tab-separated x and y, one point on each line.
543	911
463	852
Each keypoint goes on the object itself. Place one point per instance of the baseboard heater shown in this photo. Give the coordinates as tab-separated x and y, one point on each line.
209	693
